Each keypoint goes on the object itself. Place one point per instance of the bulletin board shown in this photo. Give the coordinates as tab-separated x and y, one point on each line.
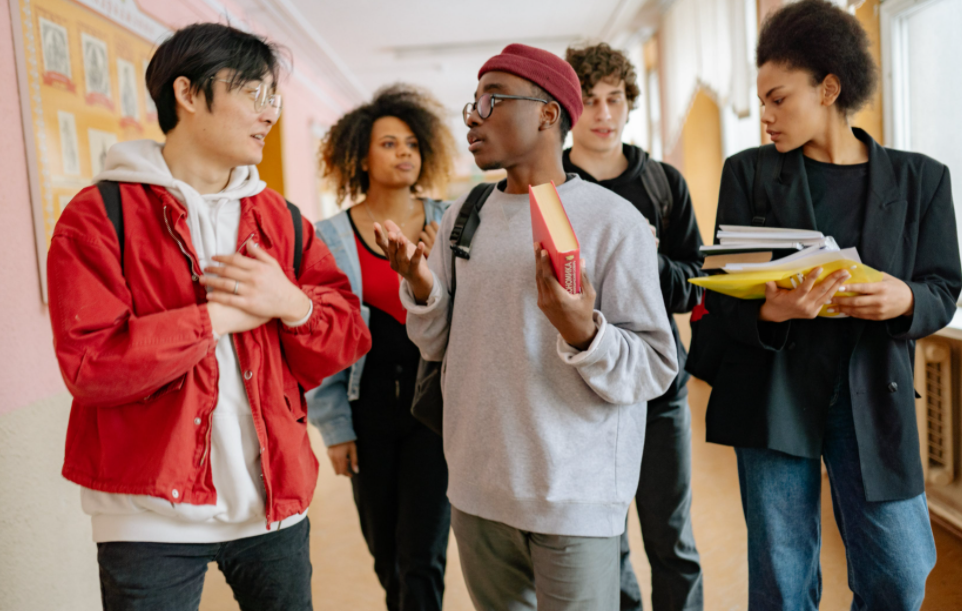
80	68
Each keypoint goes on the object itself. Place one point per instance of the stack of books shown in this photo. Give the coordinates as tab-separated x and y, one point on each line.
743	244
750	257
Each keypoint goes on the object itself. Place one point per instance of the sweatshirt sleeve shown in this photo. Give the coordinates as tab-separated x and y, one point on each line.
633	356
427	324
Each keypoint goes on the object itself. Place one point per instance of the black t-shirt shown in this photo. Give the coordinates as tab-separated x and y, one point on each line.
839	194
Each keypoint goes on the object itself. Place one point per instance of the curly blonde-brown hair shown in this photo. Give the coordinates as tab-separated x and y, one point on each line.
346	145
602	63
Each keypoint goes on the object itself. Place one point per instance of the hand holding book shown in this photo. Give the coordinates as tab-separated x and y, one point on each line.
883	300
571	315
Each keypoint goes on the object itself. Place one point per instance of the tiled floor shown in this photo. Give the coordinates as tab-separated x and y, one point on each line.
344	577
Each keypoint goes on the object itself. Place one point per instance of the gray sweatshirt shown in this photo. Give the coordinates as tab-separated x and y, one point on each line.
538	435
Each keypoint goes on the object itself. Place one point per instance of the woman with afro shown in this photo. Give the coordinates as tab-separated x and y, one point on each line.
383	157
794	388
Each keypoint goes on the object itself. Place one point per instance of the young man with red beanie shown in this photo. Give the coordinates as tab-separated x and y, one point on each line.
597	155
544	392
186	327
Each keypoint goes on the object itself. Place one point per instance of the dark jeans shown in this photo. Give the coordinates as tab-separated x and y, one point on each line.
664	509
269	572
401	498
889	547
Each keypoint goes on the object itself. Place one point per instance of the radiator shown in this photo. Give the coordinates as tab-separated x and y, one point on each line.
938	368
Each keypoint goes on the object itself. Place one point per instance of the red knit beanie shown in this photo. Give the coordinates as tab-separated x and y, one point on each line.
544	69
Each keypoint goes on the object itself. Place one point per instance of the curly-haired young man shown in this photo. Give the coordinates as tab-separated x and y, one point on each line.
609	89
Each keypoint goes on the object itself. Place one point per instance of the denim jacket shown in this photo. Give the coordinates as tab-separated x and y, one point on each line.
329	407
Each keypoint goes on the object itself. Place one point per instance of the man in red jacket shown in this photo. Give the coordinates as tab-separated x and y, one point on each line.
186	336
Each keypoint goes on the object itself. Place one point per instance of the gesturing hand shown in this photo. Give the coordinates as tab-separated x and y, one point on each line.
571	315
804	301
343	457
406	259
256	285
428	236
883	300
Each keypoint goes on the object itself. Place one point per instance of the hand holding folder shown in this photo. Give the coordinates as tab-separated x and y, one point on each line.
747	280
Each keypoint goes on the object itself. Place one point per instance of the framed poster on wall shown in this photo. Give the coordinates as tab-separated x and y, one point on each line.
80	72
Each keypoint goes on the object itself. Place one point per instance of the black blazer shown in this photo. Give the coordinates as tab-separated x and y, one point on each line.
762	396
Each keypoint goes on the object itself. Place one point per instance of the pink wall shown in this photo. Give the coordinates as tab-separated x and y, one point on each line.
28	367
301	110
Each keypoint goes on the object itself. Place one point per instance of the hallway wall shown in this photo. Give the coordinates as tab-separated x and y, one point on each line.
701	139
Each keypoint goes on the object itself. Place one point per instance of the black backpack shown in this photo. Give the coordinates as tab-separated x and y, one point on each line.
110	193
428	404
709	337
655	181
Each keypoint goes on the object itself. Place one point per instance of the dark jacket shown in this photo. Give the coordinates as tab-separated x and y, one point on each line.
763	396
679	254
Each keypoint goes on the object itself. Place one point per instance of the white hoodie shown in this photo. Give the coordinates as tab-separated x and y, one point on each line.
235	452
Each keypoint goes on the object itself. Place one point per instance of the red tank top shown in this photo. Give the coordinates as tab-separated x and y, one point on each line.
380	283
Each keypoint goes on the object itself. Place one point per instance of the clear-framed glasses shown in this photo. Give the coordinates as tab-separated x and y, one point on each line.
485	104
261	95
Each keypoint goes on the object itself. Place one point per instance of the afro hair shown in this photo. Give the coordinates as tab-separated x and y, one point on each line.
822	39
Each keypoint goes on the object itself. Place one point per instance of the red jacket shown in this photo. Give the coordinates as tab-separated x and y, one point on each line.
136	350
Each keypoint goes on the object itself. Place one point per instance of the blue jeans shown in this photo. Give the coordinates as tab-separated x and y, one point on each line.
269	572
889	547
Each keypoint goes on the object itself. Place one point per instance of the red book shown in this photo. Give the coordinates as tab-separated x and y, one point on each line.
551	227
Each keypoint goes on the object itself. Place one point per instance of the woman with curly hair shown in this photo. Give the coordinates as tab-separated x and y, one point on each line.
384	155
794	389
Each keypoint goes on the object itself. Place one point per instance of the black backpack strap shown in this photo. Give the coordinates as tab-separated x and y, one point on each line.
768	167
110	193
464	227
298	236
468	219
655	181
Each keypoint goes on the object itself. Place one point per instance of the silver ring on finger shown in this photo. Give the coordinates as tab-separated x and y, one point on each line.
236	286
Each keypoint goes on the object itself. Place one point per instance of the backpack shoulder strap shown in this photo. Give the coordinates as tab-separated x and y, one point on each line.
655	181
110	193
768	166
298	235
464	227
468	219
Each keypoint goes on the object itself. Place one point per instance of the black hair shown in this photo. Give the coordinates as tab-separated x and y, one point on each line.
198	52
822	39
346	145
564	122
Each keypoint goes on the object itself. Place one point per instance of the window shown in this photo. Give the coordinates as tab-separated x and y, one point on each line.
922	67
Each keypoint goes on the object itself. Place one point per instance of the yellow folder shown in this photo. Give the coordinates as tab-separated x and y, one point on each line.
751	285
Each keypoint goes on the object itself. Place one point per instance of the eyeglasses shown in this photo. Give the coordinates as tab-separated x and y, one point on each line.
262	97
485	104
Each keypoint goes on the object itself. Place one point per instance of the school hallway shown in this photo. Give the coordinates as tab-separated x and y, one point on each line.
344	575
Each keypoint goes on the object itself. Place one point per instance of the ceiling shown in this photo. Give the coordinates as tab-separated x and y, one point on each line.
362	45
